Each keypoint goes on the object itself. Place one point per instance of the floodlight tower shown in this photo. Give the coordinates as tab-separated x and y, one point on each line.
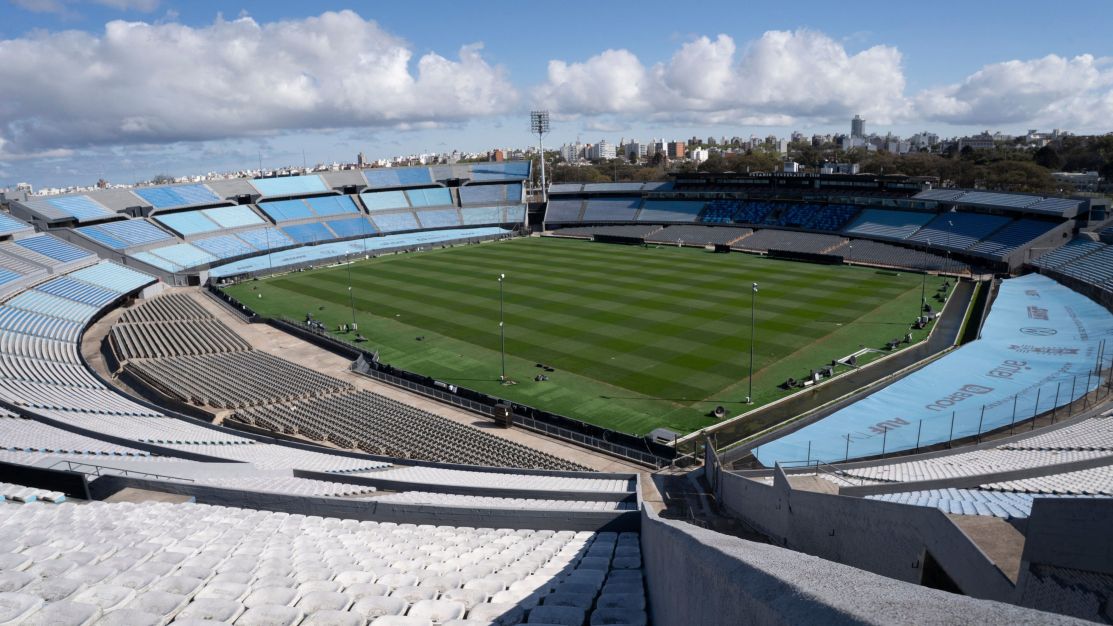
539	125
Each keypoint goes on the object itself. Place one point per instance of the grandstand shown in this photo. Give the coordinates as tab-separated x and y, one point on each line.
167	466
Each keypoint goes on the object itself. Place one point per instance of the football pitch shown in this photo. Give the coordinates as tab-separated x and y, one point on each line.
639	338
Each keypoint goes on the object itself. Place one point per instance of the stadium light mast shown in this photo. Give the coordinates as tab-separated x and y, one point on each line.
753	308
502	330
539	125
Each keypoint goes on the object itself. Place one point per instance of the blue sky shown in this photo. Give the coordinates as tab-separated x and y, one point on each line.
125	89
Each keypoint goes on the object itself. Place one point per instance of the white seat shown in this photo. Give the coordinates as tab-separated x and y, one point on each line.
371	607
159	603
282	596
324	601
564	615
131	617
107	597
332	618
437	610
214	609
63	614
400	620
270	615
501	613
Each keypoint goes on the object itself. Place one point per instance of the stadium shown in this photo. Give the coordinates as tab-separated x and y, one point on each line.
447	395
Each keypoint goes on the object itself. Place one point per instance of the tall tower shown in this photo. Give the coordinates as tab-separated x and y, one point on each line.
858	127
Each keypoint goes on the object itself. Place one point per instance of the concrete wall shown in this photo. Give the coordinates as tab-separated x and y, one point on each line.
882	537
617	521
697	576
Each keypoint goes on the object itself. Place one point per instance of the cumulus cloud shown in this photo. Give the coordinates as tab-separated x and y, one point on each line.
779	78
141	82
1051	91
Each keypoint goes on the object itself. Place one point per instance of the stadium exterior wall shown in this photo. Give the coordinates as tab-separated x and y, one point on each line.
697	576
882	537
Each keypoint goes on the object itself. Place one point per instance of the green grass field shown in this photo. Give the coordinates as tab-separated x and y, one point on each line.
640	337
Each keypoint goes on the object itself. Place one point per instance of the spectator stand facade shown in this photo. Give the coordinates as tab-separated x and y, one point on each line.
180	233
997	232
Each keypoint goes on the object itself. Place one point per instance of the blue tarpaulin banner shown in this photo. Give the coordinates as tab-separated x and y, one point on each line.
1039	349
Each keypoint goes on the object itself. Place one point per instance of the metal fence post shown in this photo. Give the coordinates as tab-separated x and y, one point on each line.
1013	419
919	428
951	434
1086	391
980	419
1055	406
809	459
884	438
1036	411
847	457
1073	383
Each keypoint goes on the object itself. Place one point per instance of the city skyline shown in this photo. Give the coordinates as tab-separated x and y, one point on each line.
125	90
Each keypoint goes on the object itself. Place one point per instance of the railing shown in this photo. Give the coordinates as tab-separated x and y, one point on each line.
1049	403
101	470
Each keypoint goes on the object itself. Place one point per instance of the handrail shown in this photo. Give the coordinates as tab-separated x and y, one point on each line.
75	466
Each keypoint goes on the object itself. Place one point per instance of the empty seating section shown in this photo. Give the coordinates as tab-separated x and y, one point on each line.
867	252
397	177
156	261
753	212
307	487
1073	250
502	480
384	200
987	198
513	213
154	563
266	456
109	275
79	208
10	225
8	276
770	239
397	430
507	170
395	222
559	188
188	223
352	227
940	195
85	293
233	216
438	218
177	196
596	187
311	232
54	306
289	185
829	217
328	251
1095	268
167	307
489	502
21	266
699	235
490	194
332	205
265	238
474	216
958	231
55	248
286	210
1012	237
885	224
183	255
719	212
171	338
28	323
232	380
669	210
967	501
1060	207
224	246
26	435
636	231
611	209
562	210
125	234
1090	434
432	196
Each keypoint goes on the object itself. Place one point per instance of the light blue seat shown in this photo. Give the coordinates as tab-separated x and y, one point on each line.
384	200
433	196
438	218
54	248
188	223
352	227
289	185
233	216
113	276
125	233
393	222
224	246
265	238
481	215
287	210
177	195
332	205
312	232
184	254
67	287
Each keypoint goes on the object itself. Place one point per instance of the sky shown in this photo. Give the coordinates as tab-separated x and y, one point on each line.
127	89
